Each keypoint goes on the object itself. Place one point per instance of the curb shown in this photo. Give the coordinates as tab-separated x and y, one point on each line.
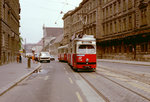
126	62
13	84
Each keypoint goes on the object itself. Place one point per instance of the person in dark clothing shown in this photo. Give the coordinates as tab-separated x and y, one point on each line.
20	58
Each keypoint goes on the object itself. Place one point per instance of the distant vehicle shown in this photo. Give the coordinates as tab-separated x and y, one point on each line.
44	57
52	58
29	55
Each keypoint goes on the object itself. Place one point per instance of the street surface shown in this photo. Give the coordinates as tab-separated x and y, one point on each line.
57	82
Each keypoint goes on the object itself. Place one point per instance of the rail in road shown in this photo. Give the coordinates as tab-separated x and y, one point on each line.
146	98
95	89
132	75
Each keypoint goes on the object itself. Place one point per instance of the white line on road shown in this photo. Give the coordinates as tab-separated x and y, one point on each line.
79	97
66	72
46	78
70	80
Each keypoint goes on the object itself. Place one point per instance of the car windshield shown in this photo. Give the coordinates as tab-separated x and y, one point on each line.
45	54
88	49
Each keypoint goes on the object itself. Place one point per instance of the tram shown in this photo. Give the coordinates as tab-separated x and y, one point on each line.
80	54
62	53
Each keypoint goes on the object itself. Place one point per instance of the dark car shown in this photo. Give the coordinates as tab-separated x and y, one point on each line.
52	58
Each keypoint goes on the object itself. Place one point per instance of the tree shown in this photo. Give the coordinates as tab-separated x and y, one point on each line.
20	42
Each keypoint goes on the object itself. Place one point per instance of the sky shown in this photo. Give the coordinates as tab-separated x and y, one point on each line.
36	13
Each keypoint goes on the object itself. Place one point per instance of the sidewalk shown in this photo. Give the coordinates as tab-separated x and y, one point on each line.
125	61
13	73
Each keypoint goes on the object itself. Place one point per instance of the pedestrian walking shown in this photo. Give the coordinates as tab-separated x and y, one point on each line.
20	59
33	59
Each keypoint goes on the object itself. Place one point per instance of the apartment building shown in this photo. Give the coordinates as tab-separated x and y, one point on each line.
82	20
9	30
121	27
126	30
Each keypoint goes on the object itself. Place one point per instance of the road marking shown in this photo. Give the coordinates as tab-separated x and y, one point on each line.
46	78
64	68
93	76
66	72
49	67
79	97
141	86
70	80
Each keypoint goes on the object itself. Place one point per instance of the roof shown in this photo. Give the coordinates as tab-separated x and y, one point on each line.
40	43
59	38
52	31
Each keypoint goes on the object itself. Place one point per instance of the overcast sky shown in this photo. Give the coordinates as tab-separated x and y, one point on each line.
36	13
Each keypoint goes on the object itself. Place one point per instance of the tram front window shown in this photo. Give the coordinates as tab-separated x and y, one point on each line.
88	49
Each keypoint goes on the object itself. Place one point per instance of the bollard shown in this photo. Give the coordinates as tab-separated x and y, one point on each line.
29	63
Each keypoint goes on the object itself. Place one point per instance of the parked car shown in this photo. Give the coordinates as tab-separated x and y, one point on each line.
44	57
52	58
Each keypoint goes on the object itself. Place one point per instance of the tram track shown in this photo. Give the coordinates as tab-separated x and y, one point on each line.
94	88
131	75
144	97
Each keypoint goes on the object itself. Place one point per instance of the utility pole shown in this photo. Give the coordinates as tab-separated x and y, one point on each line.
25	46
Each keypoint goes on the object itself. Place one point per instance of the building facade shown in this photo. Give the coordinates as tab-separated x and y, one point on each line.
121	27
125	30
82	20
49	34
9	30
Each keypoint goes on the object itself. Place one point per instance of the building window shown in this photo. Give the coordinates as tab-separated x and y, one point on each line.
107	12
104	29
115	27
3	39
144	47
110	10
119	6
119	25
129	4
111	28
130	22
143	17
130	48
114	8
124	24
124	5
125	49
119	49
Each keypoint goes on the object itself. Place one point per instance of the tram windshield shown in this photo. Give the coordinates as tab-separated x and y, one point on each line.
88	49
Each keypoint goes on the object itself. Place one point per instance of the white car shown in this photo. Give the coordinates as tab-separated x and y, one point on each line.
44	57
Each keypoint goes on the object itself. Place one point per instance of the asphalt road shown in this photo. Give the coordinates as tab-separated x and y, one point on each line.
57	82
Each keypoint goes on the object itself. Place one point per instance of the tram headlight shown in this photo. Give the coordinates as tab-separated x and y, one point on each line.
87	60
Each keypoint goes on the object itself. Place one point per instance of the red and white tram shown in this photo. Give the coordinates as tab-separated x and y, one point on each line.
62	53
81	53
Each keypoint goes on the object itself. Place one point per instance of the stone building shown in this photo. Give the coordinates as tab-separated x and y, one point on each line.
82	20
50	33
121	27
125	32
9	30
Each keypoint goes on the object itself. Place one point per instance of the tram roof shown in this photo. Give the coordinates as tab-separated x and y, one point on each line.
65	46
86	38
